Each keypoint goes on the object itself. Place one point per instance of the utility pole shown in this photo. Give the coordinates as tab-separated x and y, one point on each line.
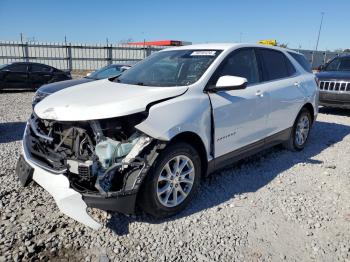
319	31
318	39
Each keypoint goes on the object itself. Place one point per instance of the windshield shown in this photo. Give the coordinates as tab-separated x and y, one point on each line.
339	64
2	66
170	68
106	72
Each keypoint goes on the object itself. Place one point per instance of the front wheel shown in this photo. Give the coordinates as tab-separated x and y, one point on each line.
172	181
300	131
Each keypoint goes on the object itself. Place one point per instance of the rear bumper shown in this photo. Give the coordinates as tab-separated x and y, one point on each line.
335	99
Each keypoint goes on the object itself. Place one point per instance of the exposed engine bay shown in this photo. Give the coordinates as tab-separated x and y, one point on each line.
107	156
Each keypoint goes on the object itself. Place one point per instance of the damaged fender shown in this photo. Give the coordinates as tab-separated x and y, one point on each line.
178	115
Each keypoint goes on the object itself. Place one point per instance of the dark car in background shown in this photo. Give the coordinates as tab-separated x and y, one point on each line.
28	75
104	72
334	83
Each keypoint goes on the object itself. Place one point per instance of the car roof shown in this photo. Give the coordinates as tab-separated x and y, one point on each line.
225	46
119	65
28	63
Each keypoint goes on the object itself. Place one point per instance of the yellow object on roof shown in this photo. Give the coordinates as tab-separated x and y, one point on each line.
272	42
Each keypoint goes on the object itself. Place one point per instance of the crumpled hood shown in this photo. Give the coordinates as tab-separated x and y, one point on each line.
101	99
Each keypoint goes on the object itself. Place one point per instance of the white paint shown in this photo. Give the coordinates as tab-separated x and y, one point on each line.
101	99
228	81
68	201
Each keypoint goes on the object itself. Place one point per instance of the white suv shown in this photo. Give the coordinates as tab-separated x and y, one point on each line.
145	138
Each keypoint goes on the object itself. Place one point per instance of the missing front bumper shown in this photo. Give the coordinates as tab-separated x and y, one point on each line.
73	202
68	201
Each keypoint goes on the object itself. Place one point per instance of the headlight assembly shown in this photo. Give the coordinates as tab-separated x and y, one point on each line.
38	97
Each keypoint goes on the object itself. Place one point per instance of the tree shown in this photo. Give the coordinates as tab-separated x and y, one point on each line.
339	50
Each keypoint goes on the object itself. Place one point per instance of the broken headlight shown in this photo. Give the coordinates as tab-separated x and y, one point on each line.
38	96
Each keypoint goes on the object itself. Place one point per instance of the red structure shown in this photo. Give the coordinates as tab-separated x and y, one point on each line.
161	43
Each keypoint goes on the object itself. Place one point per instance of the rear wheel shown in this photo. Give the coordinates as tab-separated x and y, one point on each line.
300	131
172	181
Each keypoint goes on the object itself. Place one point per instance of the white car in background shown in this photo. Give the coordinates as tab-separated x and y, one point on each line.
146	138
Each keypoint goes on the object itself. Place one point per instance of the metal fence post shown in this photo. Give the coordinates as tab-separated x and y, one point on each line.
25	52
69	57
109	55
148	51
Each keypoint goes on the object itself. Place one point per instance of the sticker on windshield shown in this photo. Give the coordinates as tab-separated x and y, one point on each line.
203	53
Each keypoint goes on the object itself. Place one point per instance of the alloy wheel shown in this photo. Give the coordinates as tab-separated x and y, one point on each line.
302	130
175	181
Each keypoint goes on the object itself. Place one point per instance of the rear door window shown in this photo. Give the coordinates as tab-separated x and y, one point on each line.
275	65
40	68
302	61
18	68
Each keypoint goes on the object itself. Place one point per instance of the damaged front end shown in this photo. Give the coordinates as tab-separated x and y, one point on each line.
104	160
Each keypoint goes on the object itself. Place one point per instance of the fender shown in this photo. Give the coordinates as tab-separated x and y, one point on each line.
190	113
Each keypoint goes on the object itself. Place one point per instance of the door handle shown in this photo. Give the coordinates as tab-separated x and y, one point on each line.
297	84
259	93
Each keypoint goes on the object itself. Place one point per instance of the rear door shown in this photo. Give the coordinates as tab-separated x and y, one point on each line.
16	76
239	115
40	75
283	85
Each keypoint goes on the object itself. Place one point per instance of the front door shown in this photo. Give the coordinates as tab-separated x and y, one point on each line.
240	116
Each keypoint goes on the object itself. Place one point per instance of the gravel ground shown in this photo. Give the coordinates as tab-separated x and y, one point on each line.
275	206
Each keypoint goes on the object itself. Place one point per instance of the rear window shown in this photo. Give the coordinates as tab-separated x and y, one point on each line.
302	61
276	65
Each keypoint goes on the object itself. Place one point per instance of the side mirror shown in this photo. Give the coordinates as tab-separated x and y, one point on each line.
321	68
230	83
124	68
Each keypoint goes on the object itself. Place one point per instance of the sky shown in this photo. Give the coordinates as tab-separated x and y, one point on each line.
295	23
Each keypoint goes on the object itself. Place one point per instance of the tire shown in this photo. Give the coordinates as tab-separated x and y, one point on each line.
151	200
295	143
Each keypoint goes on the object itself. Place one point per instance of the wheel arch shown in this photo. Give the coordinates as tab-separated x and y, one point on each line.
196	142
311	109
